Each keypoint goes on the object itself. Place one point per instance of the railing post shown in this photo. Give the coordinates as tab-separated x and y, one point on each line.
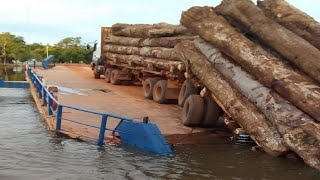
44	97
102	129
59	118
50	104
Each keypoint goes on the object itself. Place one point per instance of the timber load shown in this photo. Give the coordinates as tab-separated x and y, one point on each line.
293	19
147	46
261	70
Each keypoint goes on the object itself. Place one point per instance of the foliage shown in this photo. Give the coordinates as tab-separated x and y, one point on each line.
66	50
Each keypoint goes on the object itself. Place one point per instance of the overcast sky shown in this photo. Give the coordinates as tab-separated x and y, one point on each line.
48	21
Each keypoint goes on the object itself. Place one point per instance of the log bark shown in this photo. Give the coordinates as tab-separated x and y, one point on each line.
129	50
160	52
279	111
154	52
283	115
238	107
124	41
149	30
308	148
136	60
293	19
169	42
286	43
269	70
312	129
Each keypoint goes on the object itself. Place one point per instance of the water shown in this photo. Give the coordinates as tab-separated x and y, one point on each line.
12	73
30	151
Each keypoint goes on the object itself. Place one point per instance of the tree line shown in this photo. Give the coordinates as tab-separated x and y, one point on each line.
14	47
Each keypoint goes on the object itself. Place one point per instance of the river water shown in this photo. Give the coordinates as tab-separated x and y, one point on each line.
30	151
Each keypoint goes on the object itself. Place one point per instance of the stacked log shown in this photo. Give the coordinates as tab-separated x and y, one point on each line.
238	107
293	19
150	63
286	100
168	42
147	45
154	52
289	45
149	30
281	113
267	68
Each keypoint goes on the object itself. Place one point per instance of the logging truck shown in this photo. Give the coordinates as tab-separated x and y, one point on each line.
162	80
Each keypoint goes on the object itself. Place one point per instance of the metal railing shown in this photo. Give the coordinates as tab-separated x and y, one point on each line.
48	100
139	134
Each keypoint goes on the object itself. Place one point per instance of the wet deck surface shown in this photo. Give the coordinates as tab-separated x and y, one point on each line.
77	87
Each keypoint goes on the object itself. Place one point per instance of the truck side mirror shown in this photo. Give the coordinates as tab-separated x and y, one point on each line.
95	47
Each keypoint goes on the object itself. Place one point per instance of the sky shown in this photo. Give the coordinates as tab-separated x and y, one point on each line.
48	21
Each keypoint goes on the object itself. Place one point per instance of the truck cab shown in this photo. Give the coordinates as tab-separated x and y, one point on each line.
96	55
97	64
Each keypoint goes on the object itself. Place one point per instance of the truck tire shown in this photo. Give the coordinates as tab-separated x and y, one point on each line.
193	111
159	92
96	73
97	76
186	90
107	75
212	112
115	77
148	86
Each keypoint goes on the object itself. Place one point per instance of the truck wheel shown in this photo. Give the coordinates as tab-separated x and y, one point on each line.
96	73
193	110
212	112
159	92
148	86
115	77
186	90
107	75
97	76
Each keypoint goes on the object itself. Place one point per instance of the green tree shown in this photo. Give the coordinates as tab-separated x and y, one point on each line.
71	49
12	47
67	49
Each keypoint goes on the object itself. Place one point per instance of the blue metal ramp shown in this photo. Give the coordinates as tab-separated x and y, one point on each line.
146	136
47	61
14	84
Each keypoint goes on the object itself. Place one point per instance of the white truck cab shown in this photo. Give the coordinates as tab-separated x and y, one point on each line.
96	55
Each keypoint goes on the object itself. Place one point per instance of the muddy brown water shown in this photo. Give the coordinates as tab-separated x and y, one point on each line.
30	151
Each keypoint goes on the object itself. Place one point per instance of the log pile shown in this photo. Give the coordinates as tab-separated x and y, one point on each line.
293	19
276	99
150	46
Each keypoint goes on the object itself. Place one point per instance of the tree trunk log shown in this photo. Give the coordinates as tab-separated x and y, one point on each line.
128	50
154	52
237	106
312	129
135	60
279	111
308	149
293	19
169	42
124	41
149	30
269	70
160	52
289	45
